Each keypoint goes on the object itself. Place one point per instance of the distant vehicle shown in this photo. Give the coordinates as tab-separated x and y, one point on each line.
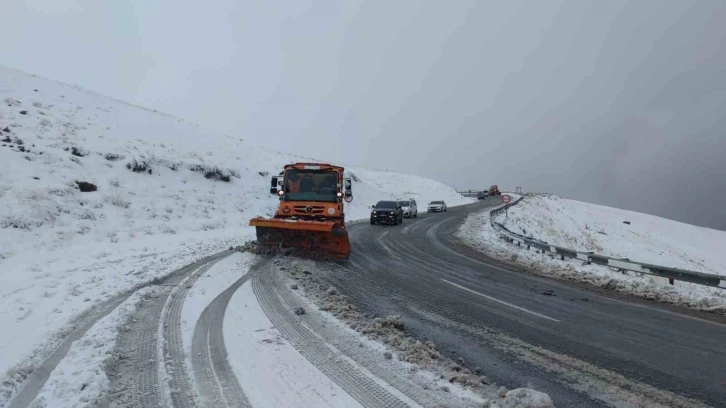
494	190
482	195
410	209
436	206
387	212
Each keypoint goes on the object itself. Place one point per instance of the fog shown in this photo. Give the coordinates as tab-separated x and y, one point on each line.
619	103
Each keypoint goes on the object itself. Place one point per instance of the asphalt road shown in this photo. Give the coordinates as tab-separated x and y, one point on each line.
582	346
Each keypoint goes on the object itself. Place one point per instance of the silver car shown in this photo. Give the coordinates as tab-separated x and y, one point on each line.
410	209
437	206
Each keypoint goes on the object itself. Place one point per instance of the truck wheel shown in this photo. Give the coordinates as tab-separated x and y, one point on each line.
373	222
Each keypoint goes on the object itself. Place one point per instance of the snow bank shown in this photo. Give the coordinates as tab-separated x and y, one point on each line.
166	193
589	227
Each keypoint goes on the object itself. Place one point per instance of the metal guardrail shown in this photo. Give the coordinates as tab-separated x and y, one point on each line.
672	274
471	193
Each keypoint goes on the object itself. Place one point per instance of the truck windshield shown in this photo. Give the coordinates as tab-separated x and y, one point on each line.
311	185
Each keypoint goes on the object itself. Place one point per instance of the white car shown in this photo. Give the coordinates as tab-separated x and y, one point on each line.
410	209
436	206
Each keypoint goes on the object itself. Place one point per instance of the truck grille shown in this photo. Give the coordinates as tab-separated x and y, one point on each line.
309	209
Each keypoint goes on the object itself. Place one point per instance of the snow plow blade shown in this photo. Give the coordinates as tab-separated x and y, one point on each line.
323	240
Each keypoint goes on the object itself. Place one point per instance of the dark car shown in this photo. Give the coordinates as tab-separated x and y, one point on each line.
387	212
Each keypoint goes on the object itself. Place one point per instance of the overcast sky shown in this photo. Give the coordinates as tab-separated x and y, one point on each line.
620	103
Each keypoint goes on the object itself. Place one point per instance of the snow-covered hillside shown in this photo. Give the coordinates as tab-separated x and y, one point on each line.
62	251
588	227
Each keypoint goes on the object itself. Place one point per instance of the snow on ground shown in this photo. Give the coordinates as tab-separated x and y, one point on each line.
63	251
526	397
206	288
79	379
588	227
269	369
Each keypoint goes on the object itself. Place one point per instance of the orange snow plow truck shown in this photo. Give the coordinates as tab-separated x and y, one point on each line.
310	220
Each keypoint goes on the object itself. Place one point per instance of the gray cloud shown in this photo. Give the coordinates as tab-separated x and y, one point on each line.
619	102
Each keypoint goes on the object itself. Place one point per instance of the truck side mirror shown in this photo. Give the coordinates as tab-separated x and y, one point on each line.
348	188
273	185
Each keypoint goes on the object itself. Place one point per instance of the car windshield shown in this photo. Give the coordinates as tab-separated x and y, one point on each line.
311	185
435	202
404	203
386	204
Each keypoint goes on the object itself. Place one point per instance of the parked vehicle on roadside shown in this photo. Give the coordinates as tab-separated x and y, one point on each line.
410	209
436	206
387	212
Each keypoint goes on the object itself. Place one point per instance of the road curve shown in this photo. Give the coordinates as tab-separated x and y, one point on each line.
582	346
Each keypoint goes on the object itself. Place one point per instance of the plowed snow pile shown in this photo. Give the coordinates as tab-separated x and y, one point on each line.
603	230
98	196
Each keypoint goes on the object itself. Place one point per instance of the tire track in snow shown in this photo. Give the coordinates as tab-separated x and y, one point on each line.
215	379
37	379
330	362
145	316
149	370
172	370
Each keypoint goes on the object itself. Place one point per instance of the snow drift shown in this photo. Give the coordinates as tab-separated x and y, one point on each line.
603	230
98	196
